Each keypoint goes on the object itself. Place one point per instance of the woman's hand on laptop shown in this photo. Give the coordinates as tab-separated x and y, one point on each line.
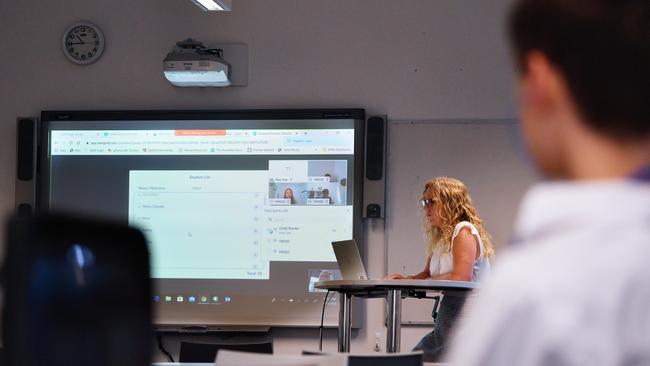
394	276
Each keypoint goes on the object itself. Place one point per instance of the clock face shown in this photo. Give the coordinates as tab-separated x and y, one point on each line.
83	43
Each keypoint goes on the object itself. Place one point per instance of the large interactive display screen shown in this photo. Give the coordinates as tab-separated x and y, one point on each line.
239	207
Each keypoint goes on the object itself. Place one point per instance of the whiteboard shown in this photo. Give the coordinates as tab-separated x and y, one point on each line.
487	155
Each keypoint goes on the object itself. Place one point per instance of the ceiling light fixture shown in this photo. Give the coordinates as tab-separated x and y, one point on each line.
214	5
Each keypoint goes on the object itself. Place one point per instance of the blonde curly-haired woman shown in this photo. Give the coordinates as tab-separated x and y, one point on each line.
458	249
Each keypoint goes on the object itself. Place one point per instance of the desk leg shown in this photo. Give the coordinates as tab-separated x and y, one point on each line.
394	326
345	300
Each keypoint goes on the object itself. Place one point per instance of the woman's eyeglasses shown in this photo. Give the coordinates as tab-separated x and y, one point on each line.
426	203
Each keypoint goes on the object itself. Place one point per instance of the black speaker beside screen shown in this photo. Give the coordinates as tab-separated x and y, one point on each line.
375	142
26	165
26	148
374	190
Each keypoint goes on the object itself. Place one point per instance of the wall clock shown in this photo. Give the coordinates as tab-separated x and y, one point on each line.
83	43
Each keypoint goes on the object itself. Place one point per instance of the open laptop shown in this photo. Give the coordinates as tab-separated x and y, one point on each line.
349	260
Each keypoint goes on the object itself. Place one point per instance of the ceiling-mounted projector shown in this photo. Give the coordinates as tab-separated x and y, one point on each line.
193	64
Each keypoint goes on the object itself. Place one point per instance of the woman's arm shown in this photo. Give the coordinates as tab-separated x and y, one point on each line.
464	251
419	276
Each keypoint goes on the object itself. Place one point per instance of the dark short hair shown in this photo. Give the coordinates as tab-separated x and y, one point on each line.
602	48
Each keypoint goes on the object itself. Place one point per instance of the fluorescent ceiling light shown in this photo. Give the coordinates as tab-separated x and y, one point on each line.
214	5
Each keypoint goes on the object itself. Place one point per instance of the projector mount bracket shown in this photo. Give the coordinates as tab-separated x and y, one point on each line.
190	45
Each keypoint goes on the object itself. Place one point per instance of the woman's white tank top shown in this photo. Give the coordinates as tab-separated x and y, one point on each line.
444	262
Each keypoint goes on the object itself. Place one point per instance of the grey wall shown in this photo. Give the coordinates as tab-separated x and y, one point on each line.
409	59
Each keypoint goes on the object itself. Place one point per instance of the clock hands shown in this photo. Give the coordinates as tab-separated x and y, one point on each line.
82	43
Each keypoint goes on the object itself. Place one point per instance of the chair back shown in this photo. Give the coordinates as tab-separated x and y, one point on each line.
203	352
386	359
379	359
234	358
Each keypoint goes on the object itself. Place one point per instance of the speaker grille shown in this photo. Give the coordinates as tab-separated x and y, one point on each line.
375	148
26	135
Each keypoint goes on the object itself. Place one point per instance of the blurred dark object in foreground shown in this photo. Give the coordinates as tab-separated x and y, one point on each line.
77	292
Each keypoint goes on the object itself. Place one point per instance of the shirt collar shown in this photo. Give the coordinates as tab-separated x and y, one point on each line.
550	208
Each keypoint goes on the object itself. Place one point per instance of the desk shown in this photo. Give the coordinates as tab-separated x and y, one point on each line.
394	291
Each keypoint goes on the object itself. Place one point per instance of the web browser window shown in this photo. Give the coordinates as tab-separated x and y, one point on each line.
239	215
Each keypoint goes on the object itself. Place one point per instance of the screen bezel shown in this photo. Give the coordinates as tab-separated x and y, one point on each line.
358	115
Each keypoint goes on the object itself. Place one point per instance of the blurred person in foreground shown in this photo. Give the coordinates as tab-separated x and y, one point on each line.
575	287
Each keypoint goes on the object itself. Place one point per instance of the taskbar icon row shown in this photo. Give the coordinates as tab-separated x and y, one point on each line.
203	299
